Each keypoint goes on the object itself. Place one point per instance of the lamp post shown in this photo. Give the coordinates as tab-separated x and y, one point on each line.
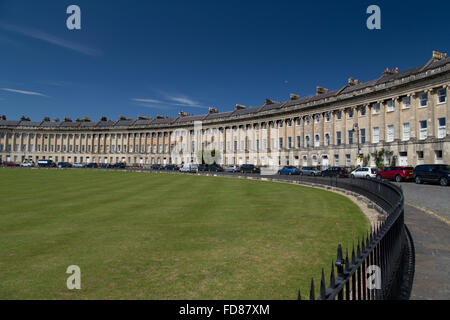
356	129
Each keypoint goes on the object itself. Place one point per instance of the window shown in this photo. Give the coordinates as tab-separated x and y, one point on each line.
289	142
338	138
327	139
281	143
423	129
289	123
406	102
376	135
350	113
441	128
280	124
339	115
390	133
406	131
363	135
298	141
316	140
420	155
438	154
316	118
307	142
390	105
423	100
350	136
307	120
442	96
376	108
347	160
298	122
363	111
327	117
336	160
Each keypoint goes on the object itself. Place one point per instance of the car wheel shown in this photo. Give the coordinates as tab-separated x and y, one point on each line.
367	177
352	176
379	177
443	181
398	178
418	180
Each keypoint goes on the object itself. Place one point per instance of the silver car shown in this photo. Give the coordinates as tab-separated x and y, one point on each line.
232	168
310	171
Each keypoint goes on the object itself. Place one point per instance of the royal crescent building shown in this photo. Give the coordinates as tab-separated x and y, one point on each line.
402	112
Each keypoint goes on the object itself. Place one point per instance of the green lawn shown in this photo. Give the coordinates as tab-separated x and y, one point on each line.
160	236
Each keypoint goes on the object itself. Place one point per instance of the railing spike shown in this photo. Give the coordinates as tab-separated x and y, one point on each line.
353	254
347	263
332	279
322	286
299	297
312	295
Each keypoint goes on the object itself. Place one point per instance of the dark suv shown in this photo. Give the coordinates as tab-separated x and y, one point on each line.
435	173
335	172
249	168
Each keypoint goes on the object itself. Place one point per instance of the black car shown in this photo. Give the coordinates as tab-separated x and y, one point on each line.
215	168
92	165
64	165
335	172
434	173
171	167
156	167
202	167
118	165
249	168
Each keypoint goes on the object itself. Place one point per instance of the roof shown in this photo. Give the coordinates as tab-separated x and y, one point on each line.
431	67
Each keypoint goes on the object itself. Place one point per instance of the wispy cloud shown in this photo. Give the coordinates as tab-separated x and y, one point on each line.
40	35
28	93
168	101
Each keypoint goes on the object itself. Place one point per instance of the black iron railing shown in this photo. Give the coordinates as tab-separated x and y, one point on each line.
381	263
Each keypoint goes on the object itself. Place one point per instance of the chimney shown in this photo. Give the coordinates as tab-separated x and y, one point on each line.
439	55
67	119
389	72
47	119
56	120
3	117
103	118
213	110
86	119
321	90
144	118
158	116
239	107
352	81
122	118
269	102
23	118
294	96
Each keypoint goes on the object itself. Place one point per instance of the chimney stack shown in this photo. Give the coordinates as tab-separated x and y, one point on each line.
321	90
239	107
294	96
439	55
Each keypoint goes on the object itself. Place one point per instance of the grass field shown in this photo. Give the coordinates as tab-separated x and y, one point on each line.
160	236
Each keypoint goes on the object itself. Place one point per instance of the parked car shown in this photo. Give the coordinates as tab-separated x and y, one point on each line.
232	168
249	168
340	172
170	167
92	165
215	168
202	167
27	164
398	174
310	171
46	164
364	172
434	173
118	165
78	165
64	165
289	170
11	164
156	166
189	167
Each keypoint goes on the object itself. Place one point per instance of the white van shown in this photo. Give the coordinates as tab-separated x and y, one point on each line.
189	167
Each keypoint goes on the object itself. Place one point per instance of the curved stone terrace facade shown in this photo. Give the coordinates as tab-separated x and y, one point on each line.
403	112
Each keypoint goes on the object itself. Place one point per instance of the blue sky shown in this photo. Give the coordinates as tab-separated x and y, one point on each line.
135	57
